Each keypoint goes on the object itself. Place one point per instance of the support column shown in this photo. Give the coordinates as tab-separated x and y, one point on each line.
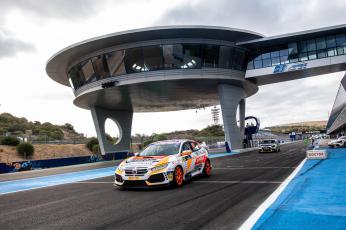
230	96
242	104
124	121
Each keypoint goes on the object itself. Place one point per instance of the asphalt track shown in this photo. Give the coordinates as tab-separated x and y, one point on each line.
238	185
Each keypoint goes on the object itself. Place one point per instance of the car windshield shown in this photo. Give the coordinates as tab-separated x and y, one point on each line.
268	142
161	149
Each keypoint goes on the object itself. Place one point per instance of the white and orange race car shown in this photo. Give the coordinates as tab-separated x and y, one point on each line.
168	162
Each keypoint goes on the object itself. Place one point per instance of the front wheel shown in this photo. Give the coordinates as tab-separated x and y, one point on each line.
207	168
178	177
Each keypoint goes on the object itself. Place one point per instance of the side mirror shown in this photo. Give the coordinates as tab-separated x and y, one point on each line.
136	154
186	152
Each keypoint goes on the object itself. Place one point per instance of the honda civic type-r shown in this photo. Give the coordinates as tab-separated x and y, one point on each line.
168	162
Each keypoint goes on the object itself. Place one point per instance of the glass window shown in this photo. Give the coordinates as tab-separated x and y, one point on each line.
193	56
331	52
275	61
311	44
284	52
225	58
265	55
267	62
134	62
321	54
257	58
320	43
210	56
312	55
340	50
173	56
292	48
88	71
284	59
340	40
239	59
303	57
249	65
292	60
115	61
153	58
100	66
258	64
275	54
330	41
76	77
302	47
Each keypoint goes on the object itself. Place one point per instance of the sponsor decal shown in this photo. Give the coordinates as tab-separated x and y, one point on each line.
186	158
201	159
289	67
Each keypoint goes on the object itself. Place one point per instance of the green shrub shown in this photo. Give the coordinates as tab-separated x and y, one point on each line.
96	149
25	149
91	142
11	141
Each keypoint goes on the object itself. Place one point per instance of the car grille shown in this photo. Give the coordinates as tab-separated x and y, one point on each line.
135	171
135	183
156	178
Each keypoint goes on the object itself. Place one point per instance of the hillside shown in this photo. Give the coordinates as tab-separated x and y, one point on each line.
308	126
35	130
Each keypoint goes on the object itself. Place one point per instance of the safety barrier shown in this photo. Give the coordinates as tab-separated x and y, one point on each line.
58	162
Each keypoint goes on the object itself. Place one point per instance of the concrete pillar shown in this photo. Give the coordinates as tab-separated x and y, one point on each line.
242	104
123	119
230	96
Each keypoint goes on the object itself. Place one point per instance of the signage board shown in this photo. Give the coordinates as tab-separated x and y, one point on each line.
316	154
289	67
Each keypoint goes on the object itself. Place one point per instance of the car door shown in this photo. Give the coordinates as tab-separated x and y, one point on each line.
188	160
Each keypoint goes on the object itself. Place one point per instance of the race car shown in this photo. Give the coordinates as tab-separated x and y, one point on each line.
169	162
271	145
340	142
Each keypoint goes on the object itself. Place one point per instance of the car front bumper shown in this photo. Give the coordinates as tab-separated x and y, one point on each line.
267	149
147	180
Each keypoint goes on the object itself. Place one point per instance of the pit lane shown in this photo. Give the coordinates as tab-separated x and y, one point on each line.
238	185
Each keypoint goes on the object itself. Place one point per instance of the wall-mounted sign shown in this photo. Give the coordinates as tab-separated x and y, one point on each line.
316	154
289	67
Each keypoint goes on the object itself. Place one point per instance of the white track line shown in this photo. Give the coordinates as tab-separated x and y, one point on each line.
251	221
235	168
237	182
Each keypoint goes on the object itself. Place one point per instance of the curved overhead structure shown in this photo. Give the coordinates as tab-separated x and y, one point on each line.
337	120
185	67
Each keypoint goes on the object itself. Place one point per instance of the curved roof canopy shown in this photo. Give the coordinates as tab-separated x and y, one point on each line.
57	65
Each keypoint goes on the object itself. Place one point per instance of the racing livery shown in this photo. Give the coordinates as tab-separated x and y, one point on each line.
164	163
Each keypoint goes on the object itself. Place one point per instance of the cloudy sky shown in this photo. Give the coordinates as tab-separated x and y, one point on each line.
31	31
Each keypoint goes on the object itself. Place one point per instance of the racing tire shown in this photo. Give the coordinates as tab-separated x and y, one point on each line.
207	168
178	177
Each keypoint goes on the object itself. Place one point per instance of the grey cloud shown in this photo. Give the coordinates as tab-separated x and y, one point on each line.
9	46
61	9
268	17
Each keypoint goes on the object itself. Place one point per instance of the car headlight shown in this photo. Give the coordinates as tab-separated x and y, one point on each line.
159	167
120	167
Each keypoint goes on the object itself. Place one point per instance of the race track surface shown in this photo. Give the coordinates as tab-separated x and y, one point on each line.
238	185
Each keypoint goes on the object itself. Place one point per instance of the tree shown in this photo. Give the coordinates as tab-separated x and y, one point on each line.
11	141
96	149
91	142
25	149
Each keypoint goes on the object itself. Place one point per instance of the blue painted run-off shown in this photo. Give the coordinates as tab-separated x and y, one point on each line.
64	178
46	181
314	199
